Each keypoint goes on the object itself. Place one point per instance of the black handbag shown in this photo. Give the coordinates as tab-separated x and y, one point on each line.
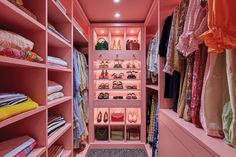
102	44
101	134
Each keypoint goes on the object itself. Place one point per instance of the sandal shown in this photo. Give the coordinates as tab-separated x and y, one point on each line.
106	96
106	86
114	85
129	96
101	86
133	95
101	96
120	85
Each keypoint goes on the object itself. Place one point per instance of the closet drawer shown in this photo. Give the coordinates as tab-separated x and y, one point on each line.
187	140
169	145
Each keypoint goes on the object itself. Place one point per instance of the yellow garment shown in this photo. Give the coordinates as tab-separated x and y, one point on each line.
9	111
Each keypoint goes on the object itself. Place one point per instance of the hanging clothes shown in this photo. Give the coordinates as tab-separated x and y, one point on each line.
152	119
152	60
222	26
156	134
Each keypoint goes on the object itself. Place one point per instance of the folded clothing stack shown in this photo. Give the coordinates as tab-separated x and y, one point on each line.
55	61
54	123
117	134
53	29
15	46
20	4
14	104
54	90
55	151
17	147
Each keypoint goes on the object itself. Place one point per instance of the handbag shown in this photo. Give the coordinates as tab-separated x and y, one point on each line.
132	45
117	117
101	134
102	44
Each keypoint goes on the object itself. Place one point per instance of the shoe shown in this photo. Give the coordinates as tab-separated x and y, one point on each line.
106	96
105	117
101	86
102	75
129	96
119	45
99	117
114	45
130	118
134	118
106	75
133	96
101	96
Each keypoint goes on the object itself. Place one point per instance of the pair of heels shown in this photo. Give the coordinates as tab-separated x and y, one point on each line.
117	85
117	64
105	117
132	117
104	74
131	96
103	86
131	87
118	76
129	65
131	74
116	46
104	64
103	96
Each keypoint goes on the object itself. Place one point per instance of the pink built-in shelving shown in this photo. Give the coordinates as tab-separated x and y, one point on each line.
32	78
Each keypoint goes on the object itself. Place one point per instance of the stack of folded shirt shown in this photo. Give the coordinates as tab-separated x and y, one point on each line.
53	29
14	104
55	151
55	61
54	123
54	90
15	46
17	147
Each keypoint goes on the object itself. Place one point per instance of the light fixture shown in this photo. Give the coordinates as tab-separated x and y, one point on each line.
132	31
117	31
117	15
116	1
102	31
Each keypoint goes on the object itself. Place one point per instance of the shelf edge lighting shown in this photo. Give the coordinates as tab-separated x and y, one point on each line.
116	1
117	15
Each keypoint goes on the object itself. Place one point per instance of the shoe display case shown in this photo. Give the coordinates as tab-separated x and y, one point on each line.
117	84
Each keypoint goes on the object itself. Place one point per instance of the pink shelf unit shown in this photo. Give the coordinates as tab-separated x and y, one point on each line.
116	32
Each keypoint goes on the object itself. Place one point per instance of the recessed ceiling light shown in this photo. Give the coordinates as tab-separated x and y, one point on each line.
132	31
117	15
116	1
117	31
102	31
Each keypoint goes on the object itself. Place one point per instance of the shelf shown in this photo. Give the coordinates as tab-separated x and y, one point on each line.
66	153
120	69
55	14
133	124
58	101
154	87
12	62
24	21
117	79
115	103
56	41
117	123
56	135
79	37
110	90
118	51
37	152
58	69
101	124
216	146
21	116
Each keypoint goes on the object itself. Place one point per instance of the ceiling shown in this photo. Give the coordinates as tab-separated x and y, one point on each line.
104	10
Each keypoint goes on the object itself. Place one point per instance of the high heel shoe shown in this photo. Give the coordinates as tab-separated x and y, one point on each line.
99	117
130	118
114	45
105	117
102	75
134	119
119	45
106	75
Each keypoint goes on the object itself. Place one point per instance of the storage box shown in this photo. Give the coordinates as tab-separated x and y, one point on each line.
133	134
101	134
117	134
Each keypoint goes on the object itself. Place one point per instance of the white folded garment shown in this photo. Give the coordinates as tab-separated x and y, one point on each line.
57	61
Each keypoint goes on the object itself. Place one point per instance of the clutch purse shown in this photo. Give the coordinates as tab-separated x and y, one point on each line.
102	44
117	117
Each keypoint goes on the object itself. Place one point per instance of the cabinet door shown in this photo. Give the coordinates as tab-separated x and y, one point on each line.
169	145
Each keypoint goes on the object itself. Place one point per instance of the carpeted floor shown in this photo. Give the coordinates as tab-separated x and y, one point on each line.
117	153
